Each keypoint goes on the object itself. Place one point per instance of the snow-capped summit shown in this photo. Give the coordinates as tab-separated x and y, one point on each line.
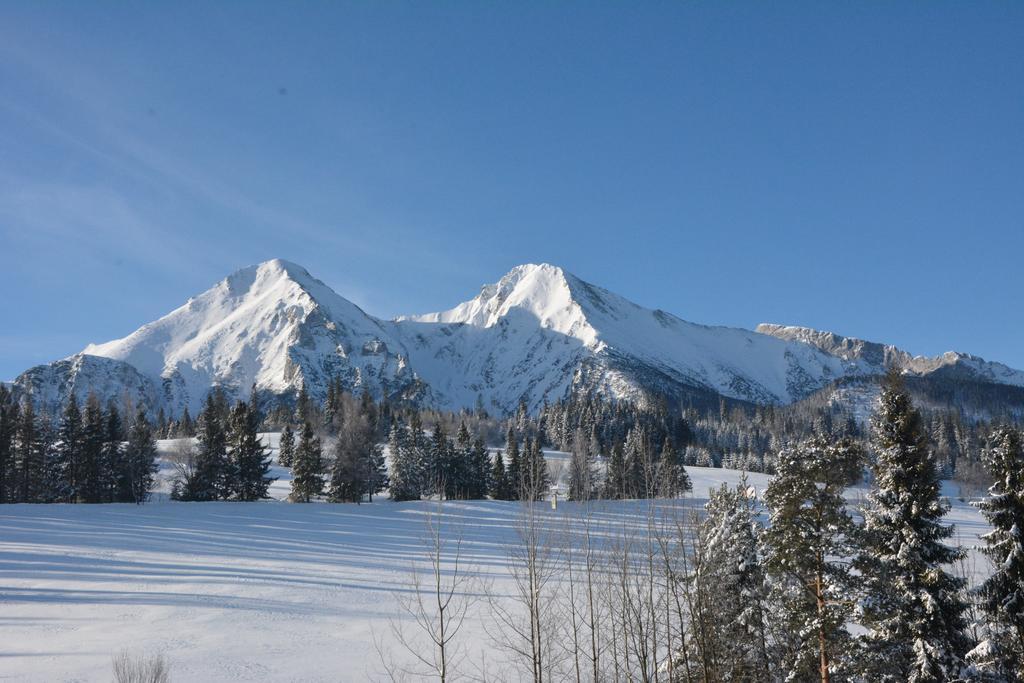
537	334
544	331
272	326
544	292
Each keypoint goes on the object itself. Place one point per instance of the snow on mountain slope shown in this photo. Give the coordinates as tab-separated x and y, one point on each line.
548	330
52	384
875	358
535	335
273	326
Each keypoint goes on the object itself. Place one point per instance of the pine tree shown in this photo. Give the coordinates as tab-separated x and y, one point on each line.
112	460
8	426
135	478
582	472
639	478
29	457
66	477
286	447
460	466
404	471
515	466
346	473
213	477
672	477
307	468
440	463
303	407
93	487
913	608
419	453
500	487
186	428
250	460
1000	655
358	461
809	533
732	573
616	480
536	479
480	471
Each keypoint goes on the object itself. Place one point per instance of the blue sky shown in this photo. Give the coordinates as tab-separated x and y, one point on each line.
857	167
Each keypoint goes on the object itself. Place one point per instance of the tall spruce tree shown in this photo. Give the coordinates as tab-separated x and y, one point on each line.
479	484
536	479
460	467
307	469
673	481
213	476
286	447
113	453
500	487
809	535
514	466
92	487
66	477
735	639
582	471
250	460
404	472
8	426
358	467
30	456
440	467
1000	655
135	480
913	608
616	480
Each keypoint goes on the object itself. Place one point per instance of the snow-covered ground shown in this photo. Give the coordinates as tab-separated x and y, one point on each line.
249	591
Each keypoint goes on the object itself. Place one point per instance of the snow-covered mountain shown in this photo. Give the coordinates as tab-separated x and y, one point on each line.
535	335
875	358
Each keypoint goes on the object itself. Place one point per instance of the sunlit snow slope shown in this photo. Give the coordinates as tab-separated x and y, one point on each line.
535	335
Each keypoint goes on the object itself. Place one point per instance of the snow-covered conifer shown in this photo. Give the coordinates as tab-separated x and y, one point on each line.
809	535
913	607
1000	655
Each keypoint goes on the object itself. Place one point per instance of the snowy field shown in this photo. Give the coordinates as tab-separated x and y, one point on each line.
250	591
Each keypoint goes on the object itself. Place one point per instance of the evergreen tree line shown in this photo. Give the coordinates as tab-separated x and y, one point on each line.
353	465
229	461
792	585
818	571
91	455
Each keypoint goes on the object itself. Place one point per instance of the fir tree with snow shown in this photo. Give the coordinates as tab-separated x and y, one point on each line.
8	420
735	578
249	458
65	473
514	466
616	480
809	535
582	470
213	477
113	453
479	484
913	607
92	485
673	481
30	446
307	468
1000	655
500	487
139	462
404	471
286	446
